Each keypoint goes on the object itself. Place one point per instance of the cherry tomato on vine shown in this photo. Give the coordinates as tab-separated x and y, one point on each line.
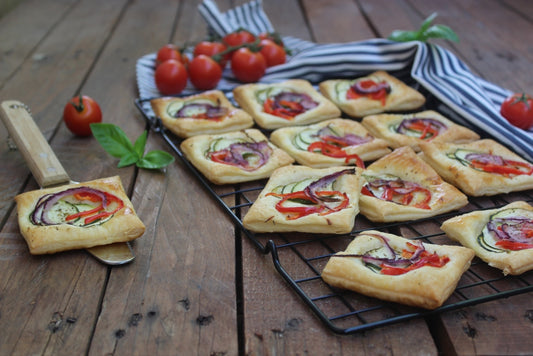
79	113
204	72
210	49
248	66
274	36
171	77
238	38
273	53
518	110
169	51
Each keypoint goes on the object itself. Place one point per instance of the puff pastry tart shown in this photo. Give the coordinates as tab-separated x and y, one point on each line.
376	93
501	237
400	187
205	113
77	216
410	129
392	268
288	103
304	199
234	157
478	168
330	143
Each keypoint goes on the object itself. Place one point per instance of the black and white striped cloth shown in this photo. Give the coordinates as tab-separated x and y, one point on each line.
439	71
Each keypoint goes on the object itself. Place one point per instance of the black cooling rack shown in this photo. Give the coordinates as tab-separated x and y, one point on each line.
300	258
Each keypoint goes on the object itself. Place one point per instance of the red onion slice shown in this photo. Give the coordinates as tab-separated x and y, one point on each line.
301	98
360	88
485	158
404	125
511	229
312	188
210	111
45	203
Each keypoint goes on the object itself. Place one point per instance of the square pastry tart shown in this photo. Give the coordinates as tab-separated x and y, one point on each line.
478	168
396	269
304	199
288	103
77	216
401	187
501	237
205	113
373	94
410	129
330	143
234	157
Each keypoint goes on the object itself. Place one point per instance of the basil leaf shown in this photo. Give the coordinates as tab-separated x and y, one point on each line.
403	36
425	32
155	159
441	31
113	139
128	160
427	22
140	143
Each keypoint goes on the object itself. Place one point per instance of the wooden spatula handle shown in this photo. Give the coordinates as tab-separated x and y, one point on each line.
42	161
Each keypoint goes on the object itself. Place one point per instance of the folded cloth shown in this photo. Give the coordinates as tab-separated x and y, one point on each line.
440	72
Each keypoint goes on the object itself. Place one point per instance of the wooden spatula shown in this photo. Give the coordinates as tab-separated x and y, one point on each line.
48	171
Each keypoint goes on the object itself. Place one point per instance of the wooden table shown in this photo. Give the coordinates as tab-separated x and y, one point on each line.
197	286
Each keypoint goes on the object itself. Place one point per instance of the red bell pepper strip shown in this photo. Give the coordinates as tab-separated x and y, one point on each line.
510	167
295	212
97	212
424	128
389	194
336	152
426	259
288	109
380	95
513	246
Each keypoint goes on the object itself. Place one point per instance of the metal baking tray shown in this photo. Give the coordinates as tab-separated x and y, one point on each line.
300	258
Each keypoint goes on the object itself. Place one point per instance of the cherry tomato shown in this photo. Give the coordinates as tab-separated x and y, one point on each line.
79	113
273	53
518	110
210	49
171	77
204	72
248	66
238	38
166	52
274	36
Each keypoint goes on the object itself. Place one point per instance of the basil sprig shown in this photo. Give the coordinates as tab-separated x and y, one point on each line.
425	32
115	142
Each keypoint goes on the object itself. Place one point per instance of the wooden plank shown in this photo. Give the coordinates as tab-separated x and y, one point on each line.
36	18
492	38
339	21
179	293
56	68
45	295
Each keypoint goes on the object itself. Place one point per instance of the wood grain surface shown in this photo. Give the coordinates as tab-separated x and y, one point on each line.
198	286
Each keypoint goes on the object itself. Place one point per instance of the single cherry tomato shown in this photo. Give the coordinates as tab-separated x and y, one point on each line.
204	72
274	36
248	66
238	38
518	110
166	52
210	49
273	53
171	77
79	113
